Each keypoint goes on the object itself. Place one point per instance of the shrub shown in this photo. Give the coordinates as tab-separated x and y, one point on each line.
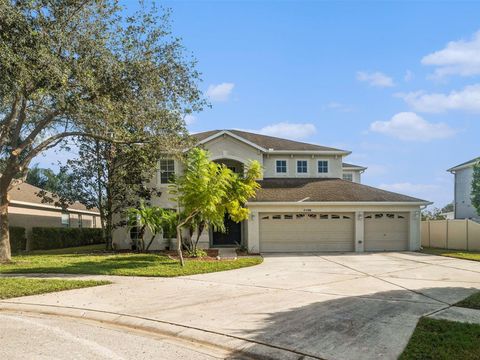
18	240
198	253
45	238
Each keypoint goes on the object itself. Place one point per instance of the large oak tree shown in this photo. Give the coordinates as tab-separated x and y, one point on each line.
76	68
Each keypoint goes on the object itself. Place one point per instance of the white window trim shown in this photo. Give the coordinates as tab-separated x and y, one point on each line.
328	166
159	172
286	166
348	173
302	173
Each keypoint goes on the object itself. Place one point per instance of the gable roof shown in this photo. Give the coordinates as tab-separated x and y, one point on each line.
26	193
465	164
325	190
265	142
353	167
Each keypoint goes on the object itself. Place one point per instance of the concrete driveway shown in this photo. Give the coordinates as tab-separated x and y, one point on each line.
328	306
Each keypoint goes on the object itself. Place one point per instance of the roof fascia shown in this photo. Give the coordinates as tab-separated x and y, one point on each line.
235	136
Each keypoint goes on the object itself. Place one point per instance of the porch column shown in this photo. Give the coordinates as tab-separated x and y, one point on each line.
253	232
359	231
415	237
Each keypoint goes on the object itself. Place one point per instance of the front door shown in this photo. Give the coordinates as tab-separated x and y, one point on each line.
232	235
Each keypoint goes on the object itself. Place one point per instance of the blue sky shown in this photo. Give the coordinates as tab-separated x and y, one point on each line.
398	84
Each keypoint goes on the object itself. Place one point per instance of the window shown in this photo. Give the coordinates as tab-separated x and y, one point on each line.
346	217
167	170
312	216
348	177
281	166
323	216
265	217
80	220
65	219
300	216
335	216
277	217
302	166
288	217
323	166
378	216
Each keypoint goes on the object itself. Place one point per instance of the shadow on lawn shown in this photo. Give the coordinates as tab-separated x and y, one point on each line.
374	326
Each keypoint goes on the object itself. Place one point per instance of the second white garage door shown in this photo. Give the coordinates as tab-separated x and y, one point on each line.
297	232
386	231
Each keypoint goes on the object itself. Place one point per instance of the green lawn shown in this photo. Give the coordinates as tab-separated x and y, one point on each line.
443	340
472	302
15	287
459	254
92	261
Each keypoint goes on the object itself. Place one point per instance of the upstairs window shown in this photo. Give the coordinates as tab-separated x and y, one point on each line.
167	171
281	166
322	166
348	177
302	166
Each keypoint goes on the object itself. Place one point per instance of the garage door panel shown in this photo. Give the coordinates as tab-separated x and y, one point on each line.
386	231
287	232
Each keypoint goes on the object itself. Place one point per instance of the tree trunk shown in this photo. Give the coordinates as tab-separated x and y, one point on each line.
5	250
150	243
179	244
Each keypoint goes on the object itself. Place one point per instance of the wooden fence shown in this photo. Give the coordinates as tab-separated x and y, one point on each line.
451	234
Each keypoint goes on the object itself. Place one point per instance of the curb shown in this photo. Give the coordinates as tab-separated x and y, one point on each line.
237	346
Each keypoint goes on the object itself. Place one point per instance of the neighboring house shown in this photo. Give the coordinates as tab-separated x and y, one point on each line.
303	204
463	190
27	210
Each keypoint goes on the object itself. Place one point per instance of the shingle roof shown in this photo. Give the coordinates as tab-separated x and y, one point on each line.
346	165
269	142
28	193
474	160
324	189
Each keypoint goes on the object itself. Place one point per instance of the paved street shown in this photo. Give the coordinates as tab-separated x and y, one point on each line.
331	306
27	336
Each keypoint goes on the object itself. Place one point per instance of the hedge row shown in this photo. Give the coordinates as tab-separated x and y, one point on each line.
18	240
45	238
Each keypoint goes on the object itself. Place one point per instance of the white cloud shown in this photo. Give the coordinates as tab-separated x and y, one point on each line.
411	127
220	92
460	57
376	79
439	193
190	119
467	99
288	130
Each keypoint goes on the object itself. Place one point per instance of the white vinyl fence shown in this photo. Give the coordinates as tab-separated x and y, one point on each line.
451	234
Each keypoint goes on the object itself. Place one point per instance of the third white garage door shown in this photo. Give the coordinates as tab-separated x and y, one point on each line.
386	231
297	232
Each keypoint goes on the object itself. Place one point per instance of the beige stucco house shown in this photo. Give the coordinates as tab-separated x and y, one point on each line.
310	200
27	210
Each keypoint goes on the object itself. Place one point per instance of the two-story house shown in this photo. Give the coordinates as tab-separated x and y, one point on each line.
310	200
463	207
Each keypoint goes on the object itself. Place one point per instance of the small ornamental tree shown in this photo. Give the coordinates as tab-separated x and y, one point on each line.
153	218
476	187
207	191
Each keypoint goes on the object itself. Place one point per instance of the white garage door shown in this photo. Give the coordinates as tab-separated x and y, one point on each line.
386	231
291	232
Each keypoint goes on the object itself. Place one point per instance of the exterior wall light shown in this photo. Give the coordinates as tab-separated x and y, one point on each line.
360	216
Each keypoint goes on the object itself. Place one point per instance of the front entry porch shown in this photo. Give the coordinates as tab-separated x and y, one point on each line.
232	237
